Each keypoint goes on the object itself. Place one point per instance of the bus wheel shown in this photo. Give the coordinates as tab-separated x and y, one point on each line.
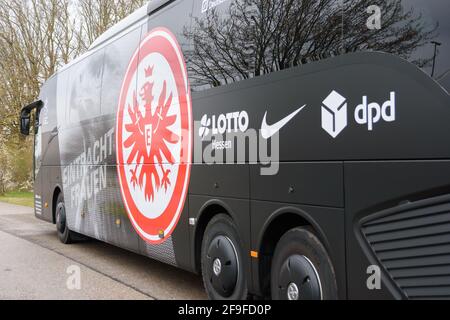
222	263
64	234
301	268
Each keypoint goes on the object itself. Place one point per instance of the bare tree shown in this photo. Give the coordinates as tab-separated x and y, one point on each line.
37	37
256	37
99	15
402	33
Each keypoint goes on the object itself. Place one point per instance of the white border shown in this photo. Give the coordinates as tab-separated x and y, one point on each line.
176	47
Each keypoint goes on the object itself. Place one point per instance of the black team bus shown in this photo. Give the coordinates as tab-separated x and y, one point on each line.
283	149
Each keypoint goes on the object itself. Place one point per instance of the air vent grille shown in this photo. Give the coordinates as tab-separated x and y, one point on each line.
413	246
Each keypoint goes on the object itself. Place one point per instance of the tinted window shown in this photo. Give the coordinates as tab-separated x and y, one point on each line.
47	115
61	96
117	57
85	88
175	17
236	40
407	28
434	14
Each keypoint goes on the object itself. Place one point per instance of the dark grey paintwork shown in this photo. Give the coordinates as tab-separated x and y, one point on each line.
332	183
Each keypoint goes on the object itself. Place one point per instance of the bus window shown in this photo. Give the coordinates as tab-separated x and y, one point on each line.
234	40
416	30
117	56
177	18
84	88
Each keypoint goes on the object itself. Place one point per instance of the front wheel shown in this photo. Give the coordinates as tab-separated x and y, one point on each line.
302	269
222	261
64	234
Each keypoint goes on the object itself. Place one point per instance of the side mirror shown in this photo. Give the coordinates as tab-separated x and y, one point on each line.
25	117
25	123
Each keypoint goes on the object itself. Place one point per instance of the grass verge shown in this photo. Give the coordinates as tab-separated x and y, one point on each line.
19	198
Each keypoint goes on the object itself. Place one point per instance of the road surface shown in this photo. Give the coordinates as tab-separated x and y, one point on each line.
35	265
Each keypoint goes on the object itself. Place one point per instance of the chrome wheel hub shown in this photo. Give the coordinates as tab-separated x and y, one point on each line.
293	293
217	267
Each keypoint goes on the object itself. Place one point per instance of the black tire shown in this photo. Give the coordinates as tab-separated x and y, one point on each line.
64	234
302	269
221	242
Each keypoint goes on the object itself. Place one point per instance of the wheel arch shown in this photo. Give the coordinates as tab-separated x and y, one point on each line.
208	211
56	192
280	222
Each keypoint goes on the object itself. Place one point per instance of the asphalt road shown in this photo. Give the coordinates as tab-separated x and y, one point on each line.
35	265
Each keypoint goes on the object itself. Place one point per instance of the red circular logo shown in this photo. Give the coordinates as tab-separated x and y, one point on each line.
154	136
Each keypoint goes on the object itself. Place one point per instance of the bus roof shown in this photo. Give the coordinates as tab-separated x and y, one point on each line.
146	10
149	8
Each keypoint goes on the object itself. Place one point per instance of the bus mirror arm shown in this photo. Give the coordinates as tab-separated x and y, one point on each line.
25	116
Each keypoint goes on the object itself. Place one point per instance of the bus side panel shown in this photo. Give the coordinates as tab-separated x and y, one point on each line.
312	191
389	108
91	186
238	209
87	141
47	156
397	219
117	55
176	17
225	186
329	221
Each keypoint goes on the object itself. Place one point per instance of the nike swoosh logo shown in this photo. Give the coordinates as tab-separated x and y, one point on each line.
268	132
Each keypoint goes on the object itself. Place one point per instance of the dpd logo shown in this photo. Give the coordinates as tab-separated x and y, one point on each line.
371	113
335	113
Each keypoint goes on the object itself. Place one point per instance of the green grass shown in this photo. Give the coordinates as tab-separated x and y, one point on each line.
20	198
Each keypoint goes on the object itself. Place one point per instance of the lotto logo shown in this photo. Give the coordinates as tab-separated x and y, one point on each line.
230	122
205	125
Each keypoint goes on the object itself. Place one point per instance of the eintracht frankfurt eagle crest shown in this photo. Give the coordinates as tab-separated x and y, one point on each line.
154	136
